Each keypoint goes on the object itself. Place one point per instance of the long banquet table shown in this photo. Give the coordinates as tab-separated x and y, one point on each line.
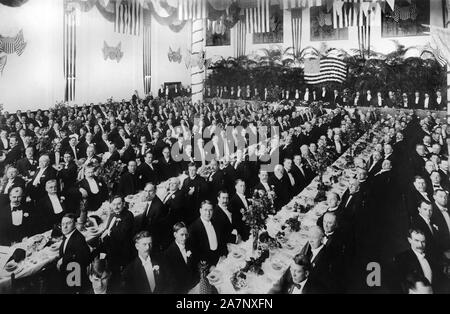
261	284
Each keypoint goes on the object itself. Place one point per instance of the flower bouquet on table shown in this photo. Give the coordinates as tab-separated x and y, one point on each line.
267	242
110	173
293	223
324	159
259	209
239	278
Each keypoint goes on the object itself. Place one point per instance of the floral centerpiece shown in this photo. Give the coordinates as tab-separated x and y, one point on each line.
259	209
239	278
324	158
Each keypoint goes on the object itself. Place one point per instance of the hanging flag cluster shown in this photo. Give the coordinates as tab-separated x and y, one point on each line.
294	4
323	70
128	17
258	18
355	13
191	10
10	45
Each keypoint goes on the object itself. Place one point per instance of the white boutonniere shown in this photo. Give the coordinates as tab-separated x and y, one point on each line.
188	254
156	268
26	215
62	198
173	196
436	227
100	184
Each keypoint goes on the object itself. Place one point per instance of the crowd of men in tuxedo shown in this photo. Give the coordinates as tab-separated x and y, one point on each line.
393	99
160	250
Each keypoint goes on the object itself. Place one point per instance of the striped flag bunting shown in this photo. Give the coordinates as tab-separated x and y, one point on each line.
69	57
326	69
10	45
128	17
356	13
192	10
295	4
147	70
258	18
241	38
296	23
3	60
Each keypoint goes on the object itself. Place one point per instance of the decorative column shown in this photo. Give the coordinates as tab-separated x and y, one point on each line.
198	59
69	42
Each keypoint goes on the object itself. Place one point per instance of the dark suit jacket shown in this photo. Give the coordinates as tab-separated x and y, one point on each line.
128	155
146	174
135	279
156	222
36	192
281	192
68	176
193	201
94	201
76	251
118	246
219	218
128	184
46	213
431	238
443	231
216	182
407	263
181	276
175	208
13	155
166	170
24	166
199	243
10	233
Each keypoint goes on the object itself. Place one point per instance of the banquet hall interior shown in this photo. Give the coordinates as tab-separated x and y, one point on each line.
224	146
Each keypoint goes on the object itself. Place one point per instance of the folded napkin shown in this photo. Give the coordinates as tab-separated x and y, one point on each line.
18	256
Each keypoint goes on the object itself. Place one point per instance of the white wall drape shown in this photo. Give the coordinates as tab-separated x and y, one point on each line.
35	79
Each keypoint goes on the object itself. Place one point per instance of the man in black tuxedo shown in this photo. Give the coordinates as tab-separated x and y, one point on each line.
207	240
93	189
227	217
263	184
324	95
279	183
297	279
375	164
128	184
45	172
417	194
174	202
182	273
127	152
73	249
195	190
68	173
155	219
16	219
336	245
146	171
27	166
322	268
116	240
336	99
417	160
13	155
12	180
167	168
423	222
216	181
145	274
51	207
441	218
416	260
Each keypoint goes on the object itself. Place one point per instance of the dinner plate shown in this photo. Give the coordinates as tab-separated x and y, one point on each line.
238	253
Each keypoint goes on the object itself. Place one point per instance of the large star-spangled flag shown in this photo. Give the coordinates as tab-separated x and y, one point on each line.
326	69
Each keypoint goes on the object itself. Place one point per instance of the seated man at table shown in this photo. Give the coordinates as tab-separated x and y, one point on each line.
321	259
207	240
333	201
143	275
51	207
17	220
296	279
74	255
182	273
117	237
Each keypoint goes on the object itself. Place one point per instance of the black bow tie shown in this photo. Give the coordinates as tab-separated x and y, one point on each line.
16	208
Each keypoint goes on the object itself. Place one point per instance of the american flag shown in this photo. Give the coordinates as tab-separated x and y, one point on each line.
128	17
10	45
326	69
192	10
258	18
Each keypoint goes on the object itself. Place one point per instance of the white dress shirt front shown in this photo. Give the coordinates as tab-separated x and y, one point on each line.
57	208
425	265
93	185
211	233
38	176
148	267
17	217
